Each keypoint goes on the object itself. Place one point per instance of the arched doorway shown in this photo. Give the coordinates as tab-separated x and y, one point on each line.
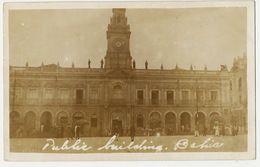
155	120
170	123
214	113
200	120
62	119
78	119
216	119
14	123
46	121
29	123
117	120
140	121
185	122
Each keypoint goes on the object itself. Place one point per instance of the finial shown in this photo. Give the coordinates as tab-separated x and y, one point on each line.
26	64
73	65
42	64
133	64
161	66
102	63
89	62
191	67
58	64
146	64
205	68
176	67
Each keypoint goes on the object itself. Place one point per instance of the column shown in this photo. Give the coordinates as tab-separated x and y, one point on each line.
101	122
177	122
147	94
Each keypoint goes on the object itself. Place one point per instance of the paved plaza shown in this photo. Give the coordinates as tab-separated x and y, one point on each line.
124	145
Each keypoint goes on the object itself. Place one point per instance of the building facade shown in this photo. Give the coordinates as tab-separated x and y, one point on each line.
118	94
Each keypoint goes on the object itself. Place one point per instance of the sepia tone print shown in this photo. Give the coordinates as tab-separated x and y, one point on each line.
123	96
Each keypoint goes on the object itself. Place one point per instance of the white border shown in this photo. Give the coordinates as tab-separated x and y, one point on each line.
136	156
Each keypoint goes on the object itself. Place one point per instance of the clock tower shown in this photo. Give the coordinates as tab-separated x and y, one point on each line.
118	36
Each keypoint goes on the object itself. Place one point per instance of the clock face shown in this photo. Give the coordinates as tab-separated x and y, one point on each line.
118	44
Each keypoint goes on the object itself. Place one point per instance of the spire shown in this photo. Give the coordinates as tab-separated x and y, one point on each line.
118	19
42	64
58	64
26	64
73	65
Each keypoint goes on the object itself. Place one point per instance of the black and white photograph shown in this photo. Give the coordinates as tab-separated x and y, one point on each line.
132	81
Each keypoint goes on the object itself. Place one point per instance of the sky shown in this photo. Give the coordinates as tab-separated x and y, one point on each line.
197	36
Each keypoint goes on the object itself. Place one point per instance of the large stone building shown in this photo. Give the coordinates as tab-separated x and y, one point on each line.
119	94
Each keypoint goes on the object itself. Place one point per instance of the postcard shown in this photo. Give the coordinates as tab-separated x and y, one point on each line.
129	81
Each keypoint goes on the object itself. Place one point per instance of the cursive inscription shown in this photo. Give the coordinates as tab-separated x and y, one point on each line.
144	145
208	143
131	146
76	146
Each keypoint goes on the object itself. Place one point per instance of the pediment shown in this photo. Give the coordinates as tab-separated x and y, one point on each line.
79	85
51	65
48	85
33	85
119	72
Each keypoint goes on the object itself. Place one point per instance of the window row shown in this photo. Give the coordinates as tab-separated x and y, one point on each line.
117	94
48	94
170	96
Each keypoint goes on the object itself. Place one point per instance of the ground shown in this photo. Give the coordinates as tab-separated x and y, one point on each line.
140	144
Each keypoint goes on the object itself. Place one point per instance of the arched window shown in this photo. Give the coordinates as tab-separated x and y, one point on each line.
240	84
140	121
118	92
94	121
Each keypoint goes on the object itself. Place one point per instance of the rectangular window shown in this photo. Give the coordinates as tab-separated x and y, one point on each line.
79	96
155	97
94	94
170	97
140	97
199	96
48	94
18	93
94	122
185	97
214	96
64	94
32	93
